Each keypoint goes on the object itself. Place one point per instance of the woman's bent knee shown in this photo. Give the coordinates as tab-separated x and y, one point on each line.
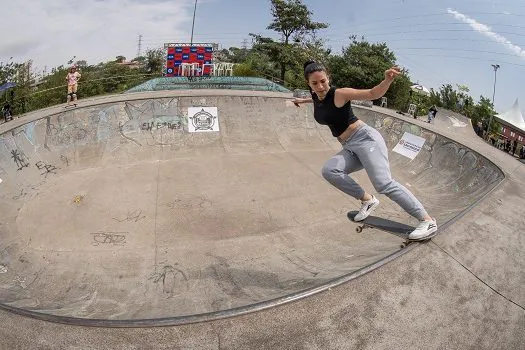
330	173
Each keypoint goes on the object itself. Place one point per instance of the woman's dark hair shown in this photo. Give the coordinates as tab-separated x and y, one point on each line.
312	66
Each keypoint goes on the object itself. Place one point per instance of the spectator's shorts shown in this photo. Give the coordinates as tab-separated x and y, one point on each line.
72	89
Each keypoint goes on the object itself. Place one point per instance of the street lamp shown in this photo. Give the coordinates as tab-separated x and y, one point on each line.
496	67
193	24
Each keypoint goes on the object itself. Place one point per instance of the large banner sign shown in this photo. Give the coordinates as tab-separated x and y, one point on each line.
177	54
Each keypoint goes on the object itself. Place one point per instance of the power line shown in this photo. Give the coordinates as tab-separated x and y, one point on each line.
417	64
449	39
404	17
433	15
455	24
354	32
468	58
139	51
453	49
439	30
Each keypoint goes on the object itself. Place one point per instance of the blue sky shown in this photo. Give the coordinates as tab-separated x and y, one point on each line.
439	42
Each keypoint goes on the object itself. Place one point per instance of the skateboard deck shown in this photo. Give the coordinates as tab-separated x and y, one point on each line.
394	227
70	106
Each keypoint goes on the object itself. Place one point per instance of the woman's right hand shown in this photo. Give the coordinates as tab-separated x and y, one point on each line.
297	101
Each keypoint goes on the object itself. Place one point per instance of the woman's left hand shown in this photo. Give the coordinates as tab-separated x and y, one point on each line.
391	73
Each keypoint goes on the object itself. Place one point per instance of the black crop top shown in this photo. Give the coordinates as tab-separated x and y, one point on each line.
327	113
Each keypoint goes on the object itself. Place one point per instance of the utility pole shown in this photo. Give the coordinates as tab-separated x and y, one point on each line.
193	24
245	44
139	51
496	67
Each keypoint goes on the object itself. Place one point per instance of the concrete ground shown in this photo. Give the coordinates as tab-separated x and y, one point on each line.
118	213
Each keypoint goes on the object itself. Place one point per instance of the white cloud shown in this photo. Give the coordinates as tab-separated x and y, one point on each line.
487	31
53	31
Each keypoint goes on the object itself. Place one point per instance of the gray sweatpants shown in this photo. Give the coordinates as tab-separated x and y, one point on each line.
366	149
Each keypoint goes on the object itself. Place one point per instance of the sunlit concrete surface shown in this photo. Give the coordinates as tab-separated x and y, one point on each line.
114	214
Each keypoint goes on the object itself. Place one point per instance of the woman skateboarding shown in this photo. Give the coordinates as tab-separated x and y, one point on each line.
363	147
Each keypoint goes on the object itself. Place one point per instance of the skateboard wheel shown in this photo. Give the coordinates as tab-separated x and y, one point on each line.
359	229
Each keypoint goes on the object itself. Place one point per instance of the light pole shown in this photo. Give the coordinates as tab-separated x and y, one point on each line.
193	24
496	67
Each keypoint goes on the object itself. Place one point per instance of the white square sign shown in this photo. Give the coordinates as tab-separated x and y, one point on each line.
203	119
409	145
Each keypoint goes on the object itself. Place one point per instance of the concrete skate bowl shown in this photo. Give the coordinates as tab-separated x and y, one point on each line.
116	215
456	122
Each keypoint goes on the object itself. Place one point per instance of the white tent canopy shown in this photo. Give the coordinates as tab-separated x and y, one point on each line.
513	117
420	88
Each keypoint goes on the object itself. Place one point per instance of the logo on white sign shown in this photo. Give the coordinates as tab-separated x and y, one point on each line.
202	119
409	145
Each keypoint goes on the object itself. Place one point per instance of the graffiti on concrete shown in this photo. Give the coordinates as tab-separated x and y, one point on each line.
171	123
48	168
20	159
170	277
109	238
134	216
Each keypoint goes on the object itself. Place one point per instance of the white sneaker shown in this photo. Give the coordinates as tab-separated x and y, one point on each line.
425	230
366	209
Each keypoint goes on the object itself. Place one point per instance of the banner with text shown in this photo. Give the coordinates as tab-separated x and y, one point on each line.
409	145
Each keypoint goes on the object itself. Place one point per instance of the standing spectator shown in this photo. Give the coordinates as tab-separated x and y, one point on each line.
6	112
479	131
432	112
72	79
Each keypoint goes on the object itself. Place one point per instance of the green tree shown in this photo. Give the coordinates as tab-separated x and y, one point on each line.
154	60
435	98
398	94
292	19
362	64
448	97
235	54
81	64
8	71
53	91
465	101
483	111
23	77
140	59
266	55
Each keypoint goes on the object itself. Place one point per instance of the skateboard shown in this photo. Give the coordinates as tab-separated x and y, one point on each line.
396	228
70	106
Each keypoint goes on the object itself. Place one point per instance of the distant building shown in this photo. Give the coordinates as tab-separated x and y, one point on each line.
513	124
131	64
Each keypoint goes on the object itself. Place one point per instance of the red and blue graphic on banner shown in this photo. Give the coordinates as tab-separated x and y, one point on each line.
177	55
